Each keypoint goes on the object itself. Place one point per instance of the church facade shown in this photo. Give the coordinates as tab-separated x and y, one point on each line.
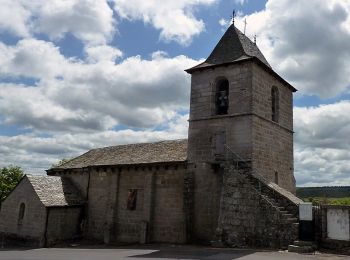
230	183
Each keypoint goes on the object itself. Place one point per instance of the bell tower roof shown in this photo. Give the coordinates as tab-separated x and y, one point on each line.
233	46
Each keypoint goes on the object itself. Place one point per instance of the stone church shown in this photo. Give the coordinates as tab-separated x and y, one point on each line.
230	183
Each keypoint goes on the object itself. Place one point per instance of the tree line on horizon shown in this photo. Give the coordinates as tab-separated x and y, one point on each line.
323	192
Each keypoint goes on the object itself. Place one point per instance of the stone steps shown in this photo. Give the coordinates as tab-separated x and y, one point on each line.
304	243
288	219
292	220
264	193
289	223
287	215
302	247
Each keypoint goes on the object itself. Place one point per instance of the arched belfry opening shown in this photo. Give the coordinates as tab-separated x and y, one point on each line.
274	104
222	97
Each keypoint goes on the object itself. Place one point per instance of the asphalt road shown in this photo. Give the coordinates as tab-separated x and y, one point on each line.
154	252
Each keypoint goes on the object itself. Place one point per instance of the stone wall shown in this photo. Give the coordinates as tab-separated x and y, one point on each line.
336	236
63	224
168	223
206	199
160	191
262	83
203	89
202	134
249	133
249	218
273	153
129	221
101	191
272	142
32	228
80	180
205	125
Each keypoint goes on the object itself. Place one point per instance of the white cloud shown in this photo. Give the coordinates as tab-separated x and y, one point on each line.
14	18
306	42
102	53
93	22
241	2
322	144
83	96
88	20
36	154
224	23
175	19
32	58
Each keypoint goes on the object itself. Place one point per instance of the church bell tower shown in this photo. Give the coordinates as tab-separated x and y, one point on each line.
239	105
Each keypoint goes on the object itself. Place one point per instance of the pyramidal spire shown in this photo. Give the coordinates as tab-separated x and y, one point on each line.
233	46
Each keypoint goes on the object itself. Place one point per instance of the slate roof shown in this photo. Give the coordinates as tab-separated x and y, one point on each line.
55	191
159	152
233	46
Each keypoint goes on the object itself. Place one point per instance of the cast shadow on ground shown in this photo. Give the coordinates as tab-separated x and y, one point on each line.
200	253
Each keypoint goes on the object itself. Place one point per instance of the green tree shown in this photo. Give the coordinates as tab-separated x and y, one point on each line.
9	177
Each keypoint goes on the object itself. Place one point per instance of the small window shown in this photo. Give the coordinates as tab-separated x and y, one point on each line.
132	198
222	97
274	104
219	141
22	208
276	177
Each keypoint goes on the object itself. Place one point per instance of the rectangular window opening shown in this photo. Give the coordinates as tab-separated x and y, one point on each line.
132	199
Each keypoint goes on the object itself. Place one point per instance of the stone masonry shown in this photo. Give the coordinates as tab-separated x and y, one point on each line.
159	191
250	133
252	213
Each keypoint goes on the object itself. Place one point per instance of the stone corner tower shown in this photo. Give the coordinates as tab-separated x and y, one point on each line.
238	105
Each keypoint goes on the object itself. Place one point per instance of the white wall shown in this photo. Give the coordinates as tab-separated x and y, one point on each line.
338	224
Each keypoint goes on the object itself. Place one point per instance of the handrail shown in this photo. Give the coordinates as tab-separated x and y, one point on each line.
262	181
245	162
235	154
263	197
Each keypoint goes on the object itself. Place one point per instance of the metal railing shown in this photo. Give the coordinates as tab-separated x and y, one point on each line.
259	178
238	158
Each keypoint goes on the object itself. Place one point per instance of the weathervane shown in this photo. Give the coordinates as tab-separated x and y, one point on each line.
233	16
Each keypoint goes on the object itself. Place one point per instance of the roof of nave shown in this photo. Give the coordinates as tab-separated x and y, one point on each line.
55	191
141	153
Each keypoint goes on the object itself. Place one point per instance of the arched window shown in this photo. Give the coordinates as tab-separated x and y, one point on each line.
222	97
22	209
274	104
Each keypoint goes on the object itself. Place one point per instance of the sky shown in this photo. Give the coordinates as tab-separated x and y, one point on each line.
81	74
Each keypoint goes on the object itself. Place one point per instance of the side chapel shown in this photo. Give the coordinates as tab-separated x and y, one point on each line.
231	182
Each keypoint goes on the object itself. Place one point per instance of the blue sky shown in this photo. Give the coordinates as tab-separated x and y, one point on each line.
80	74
